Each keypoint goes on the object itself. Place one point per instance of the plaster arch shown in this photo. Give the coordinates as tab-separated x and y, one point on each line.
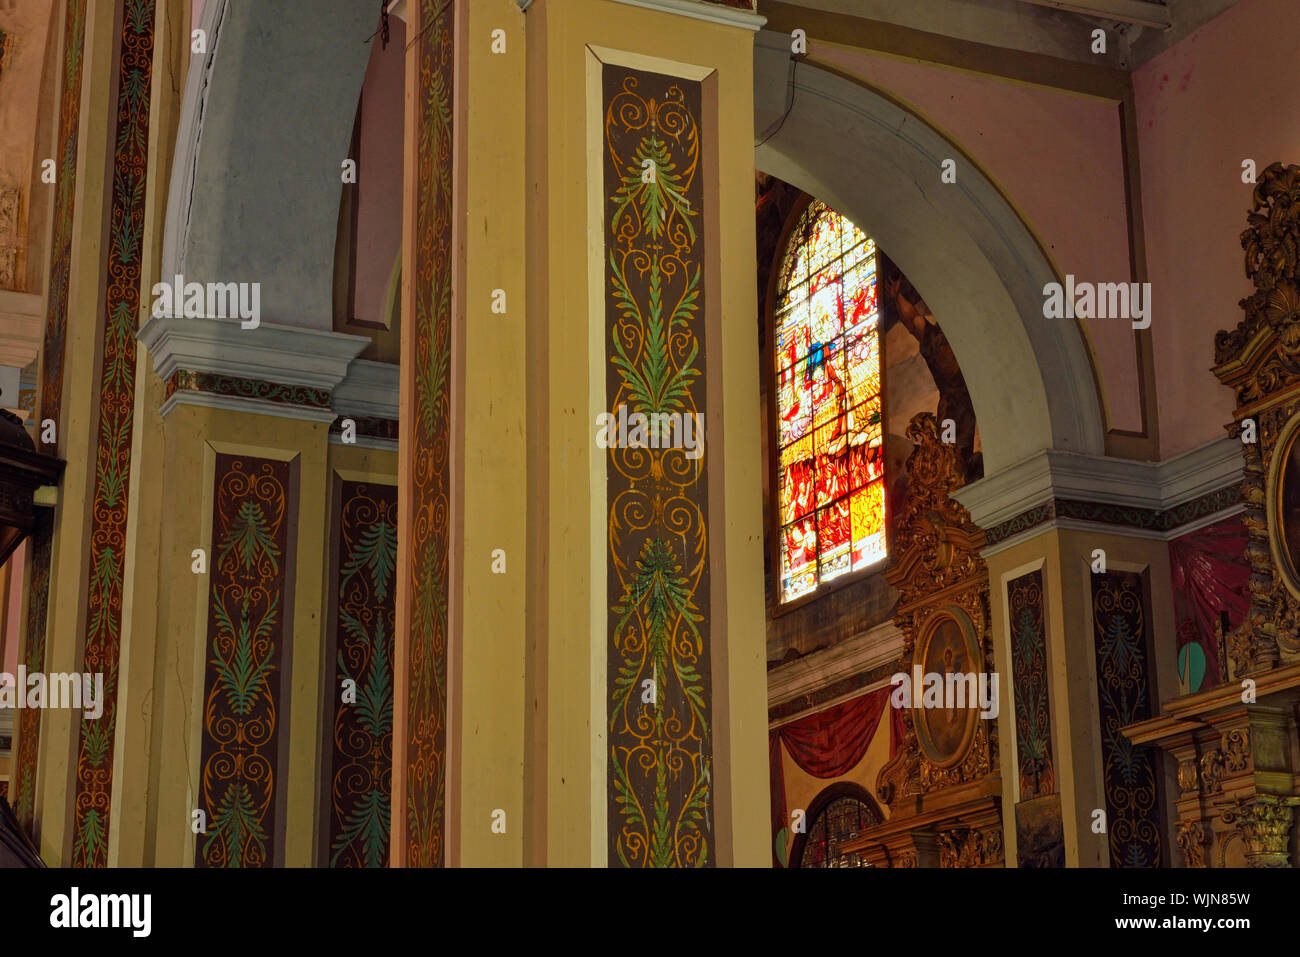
265	125
980	268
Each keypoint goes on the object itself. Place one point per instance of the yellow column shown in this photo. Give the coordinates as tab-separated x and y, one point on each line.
487	808
568	43
1066	557
77	438
144	577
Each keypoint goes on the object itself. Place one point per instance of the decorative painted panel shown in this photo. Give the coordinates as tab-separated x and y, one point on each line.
108	516
660	749
1123	697
360	744
52	353
242	696
427	435
1029	675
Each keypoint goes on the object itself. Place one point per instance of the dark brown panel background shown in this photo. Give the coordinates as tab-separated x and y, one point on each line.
242	688
660	793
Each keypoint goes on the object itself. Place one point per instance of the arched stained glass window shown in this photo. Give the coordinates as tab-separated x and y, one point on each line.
845	812
831	464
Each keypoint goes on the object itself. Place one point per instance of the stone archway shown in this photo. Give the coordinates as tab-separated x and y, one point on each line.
265	125
982	270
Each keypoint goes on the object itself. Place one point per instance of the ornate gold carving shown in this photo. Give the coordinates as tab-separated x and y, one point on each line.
1192	839
938	572
1264	824
1260	361
1188	778
1212	771
969	847
1236	750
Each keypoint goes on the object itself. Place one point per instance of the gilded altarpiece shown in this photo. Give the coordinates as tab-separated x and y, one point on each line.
660	747
1236	745
943	787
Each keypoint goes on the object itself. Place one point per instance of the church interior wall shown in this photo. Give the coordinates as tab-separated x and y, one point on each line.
1203	108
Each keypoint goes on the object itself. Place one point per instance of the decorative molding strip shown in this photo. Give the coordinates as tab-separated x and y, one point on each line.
420	687
236	387
1056	488
368	426
830	695
714	11
290	355
1160	524
369	391
870	649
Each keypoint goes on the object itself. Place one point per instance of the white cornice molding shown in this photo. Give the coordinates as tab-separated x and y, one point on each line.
1050	475
698	10
370	389
285	355
879	646
232	403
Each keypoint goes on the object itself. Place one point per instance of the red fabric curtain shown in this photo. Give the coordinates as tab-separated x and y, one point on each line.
828	744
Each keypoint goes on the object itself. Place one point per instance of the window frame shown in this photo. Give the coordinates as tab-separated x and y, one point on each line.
819	805
771	370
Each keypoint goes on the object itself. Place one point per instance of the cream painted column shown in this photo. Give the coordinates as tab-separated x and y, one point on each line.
198	424
568	620
77	439
487	810
144	576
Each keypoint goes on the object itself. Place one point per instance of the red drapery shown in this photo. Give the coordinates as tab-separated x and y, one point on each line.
1209	574
828	744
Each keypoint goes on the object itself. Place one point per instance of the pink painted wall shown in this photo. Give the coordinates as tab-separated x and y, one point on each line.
1057	157
379	175
1226	93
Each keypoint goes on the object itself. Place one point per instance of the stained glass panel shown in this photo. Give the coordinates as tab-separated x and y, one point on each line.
828	401
843	819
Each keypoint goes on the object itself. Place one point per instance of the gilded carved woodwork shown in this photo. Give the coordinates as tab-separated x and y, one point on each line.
940	577
942	785
1236	745
1260	360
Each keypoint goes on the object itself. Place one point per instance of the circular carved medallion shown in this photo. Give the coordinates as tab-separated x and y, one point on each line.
1284	505
948	646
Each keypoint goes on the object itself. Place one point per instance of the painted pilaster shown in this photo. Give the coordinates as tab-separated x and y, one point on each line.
584	558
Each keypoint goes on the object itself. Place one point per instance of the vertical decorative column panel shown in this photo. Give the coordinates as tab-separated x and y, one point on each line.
360	734
660	743
425	440
1029	674
113	450
242	686
1039	836
51	397
1119	621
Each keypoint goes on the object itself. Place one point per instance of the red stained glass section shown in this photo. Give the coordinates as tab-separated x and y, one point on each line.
828	404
